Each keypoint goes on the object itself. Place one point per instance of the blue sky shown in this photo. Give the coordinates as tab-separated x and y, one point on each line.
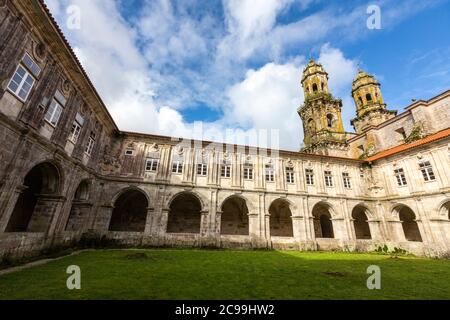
162	66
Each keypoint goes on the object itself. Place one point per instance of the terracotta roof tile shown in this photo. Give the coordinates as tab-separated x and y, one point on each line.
434	137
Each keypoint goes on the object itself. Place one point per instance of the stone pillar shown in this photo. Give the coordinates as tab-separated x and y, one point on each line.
397	233
253	224
45	212
4	218
204	223
103	218
441	230
299	227
310	225
339	228
218	224
160	229
149	221
375	230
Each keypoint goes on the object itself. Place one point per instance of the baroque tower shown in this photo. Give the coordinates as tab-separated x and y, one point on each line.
370	107
321	114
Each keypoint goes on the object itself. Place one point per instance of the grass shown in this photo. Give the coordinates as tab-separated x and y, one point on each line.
218	274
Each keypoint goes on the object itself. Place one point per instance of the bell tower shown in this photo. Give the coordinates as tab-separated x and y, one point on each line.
370	107
321	114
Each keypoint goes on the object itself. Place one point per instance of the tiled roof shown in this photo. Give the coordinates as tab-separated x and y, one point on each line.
434	137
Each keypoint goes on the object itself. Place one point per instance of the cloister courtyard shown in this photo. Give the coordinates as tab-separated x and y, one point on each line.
227	274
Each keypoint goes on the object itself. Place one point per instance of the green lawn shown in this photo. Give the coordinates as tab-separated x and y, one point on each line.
204	274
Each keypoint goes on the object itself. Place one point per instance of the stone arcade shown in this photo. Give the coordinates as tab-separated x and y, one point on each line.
68	172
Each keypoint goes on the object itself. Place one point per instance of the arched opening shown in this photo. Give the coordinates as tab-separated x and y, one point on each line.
446	210
82	193
368	97
130	212
80	207
360	101
409	224
311	125
184	214
315	88
280	219
329	120
234	220
323	226
33	212
360	223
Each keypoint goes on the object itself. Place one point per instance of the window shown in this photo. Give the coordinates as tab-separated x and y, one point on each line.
309	177
270	174
330	120
315	87
90	144
328	179
402	133
290	175
53	113
427	171
347	181
75	132
225	169
248	171
129	152
151	165
368	97
76	128
22	81
177	164
360	101
202	169
401	178
55	109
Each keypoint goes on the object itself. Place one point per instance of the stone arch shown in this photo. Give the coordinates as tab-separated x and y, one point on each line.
234	217
281	218
330	119
444	209
360	216
323	226
129	211
172	196
80	208
311	125
83	190
130	188
409	224
185	211
315	88
36	203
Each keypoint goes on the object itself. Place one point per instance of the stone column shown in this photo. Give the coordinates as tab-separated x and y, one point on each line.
375	230
161	228
149	221
397	233
218	224
103	218
299	227
339	228
204	223
4	219
45	213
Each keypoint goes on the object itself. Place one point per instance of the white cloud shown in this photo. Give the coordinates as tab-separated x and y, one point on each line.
268	98
174	55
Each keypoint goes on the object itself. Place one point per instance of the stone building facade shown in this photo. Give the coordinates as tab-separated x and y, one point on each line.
68	172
